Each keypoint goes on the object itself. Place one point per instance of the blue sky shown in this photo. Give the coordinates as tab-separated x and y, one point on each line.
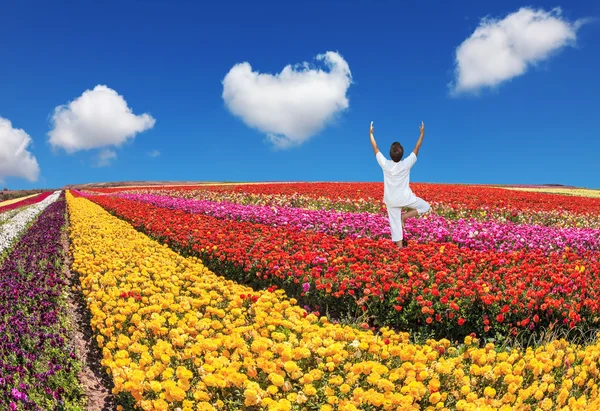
169	60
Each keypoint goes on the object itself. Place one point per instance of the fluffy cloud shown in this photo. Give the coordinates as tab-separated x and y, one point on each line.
291	106
15	160
154	154
105	157
499	50
98	118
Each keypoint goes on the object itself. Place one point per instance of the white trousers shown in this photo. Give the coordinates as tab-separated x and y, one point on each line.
395	216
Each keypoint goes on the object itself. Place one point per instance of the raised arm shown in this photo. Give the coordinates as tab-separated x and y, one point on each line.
373	143
420	141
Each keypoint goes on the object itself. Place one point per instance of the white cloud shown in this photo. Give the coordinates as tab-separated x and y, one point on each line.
98	118
105	157
154	153
15	160
291	106
499	50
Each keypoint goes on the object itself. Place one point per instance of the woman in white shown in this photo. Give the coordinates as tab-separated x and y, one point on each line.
396	192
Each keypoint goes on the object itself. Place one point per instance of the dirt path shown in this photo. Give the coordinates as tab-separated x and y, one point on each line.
96	383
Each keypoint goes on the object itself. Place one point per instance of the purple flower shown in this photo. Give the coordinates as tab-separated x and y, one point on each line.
306	287
30	287
18	395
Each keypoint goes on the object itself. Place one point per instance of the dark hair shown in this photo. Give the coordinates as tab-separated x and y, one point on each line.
396	151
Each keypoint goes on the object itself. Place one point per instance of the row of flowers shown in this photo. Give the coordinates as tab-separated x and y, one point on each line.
6	216
25	201
478	210
440	288
38	370
15	200
13	227
457	196
176	336
581	192
471	233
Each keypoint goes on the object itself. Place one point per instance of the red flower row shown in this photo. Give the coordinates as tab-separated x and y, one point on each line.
448	290
28	201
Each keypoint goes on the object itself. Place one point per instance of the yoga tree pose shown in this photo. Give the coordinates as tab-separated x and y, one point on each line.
397	193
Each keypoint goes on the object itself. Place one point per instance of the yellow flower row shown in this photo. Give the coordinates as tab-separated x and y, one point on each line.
175	335
581	192
15	200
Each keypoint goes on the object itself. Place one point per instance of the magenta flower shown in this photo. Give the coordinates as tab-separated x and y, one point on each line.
18	395
34	345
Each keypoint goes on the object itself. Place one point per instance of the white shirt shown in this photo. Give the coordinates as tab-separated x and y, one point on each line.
396	176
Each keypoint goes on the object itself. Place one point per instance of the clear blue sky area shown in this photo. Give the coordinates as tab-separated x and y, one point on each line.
169	59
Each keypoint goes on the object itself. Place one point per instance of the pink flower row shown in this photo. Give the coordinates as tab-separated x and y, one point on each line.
471	233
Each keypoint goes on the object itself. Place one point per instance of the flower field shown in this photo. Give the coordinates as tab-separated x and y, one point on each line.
567	191
471	233
450	201
460	276
175	335
292	297
17	221
15	200
22	202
